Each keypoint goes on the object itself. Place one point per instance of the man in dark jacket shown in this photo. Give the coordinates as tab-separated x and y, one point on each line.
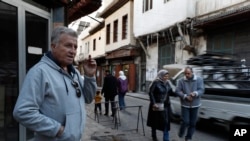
109	90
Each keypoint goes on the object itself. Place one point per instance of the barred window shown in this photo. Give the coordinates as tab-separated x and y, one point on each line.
147	5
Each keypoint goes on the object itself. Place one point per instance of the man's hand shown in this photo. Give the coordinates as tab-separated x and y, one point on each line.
193	94
89	67
60	132
189	98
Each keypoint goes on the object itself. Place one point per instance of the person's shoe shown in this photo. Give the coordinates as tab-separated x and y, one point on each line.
112	115
178	138
105	114
155	139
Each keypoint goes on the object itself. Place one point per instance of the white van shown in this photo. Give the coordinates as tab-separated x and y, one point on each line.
226	99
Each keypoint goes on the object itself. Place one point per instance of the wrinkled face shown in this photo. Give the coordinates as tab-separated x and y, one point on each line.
188	73
165	77
65	50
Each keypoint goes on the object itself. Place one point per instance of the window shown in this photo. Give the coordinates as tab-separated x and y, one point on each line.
87	48
94	44
108	34
10	67
166	55
221	42
115	33
124	27
80	49
147	5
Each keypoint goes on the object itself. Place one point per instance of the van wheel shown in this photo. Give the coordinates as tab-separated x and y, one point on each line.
241	121
173	117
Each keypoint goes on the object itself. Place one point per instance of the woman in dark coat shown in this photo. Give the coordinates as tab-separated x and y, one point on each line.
159	118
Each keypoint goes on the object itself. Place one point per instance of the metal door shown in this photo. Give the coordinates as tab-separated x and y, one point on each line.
25	33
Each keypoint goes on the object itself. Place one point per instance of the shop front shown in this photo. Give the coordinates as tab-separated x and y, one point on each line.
126	60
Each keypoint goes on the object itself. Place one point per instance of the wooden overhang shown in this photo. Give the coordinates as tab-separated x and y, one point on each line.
75	9
82	8
96	28
115	5
123	52
223	18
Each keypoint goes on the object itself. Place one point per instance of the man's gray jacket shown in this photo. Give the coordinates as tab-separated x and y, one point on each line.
48	100
185	87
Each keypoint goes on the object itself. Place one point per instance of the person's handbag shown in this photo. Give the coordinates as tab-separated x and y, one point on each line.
160	107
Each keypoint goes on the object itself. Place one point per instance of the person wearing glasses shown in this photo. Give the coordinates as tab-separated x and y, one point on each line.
159	106
52	98
189	89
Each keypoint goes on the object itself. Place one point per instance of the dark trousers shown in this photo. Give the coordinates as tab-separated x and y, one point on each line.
110	100
98	106
189	119
165	134
121	100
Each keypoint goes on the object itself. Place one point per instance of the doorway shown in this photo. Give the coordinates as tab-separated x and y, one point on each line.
23	42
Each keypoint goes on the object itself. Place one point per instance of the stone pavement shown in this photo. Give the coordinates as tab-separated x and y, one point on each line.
95	131
101	131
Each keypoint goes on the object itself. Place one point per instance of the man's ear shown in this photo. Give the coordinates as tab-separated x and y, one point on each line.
53	46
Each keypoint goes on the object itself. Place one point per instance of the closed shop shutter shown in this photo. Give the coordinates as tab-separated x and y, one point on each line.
242	44
233	40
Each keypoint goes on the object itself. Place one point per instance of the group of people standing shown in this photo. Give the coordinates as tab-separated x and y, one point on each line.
189	89
52	98
113	86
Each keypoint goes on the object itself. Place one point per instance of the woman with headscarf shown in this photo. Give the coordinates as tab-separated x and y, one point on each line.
122	89
159	107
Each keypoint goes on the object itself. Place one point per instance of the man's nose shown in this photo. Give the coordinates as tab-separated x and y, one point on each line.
72	51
